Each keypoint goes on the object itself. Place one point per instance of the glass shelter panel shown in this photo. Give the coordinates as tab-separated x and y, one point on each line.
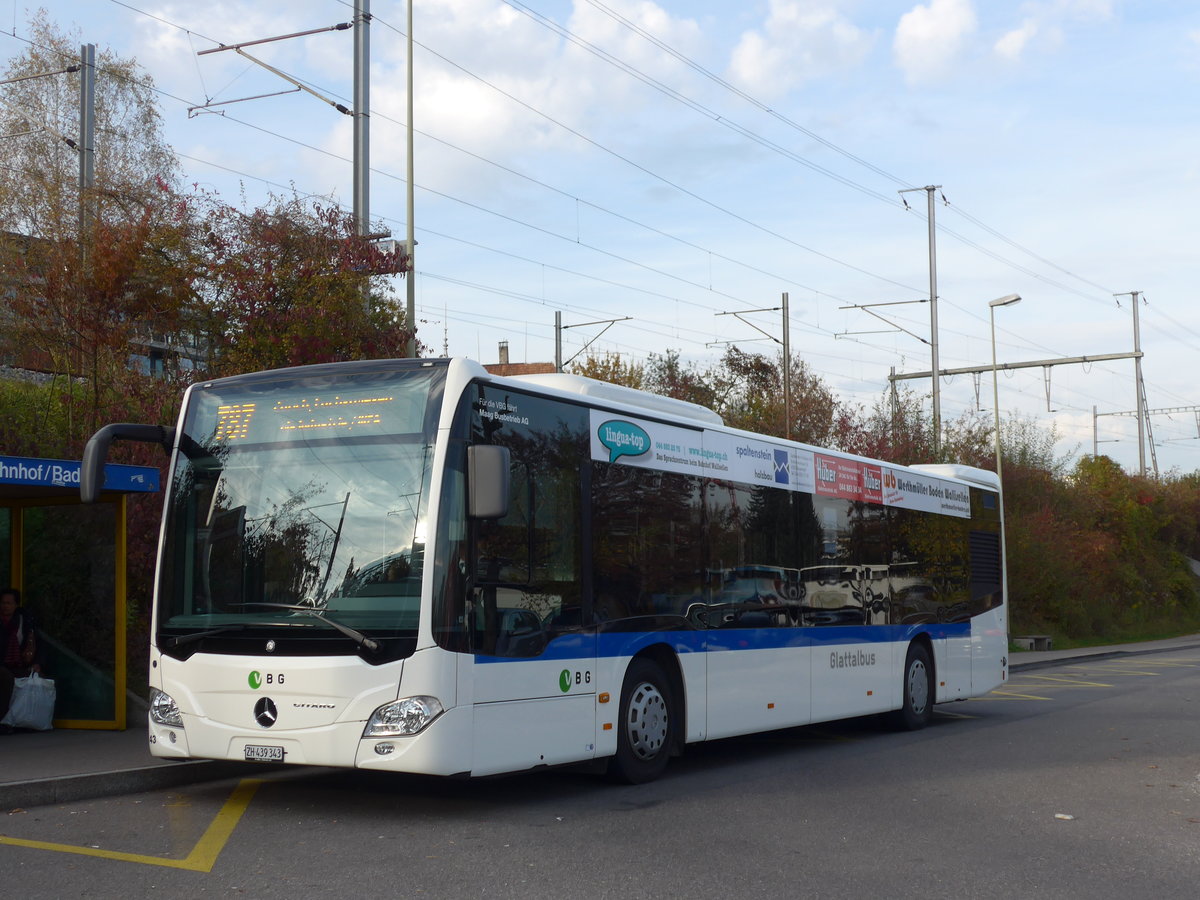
70	583
6	574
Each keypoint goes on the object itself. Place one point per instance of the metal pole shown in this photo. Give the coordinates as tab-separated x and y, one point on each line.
362	102
895	403
410	315
557	340
999	476
87	136
995	393
933	328
1095	433
362	130
1007	300
787	372
1141	403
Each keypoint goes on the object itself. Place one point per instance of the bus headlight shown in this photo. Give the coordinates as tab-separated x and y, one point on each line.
163	709
411	715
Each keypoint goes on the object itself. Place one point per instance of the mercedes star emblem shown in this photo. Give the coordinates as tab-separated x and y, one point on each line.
265	712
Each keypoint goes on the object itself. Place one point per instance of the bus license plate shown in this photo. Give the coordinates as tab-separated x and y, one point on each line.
259	753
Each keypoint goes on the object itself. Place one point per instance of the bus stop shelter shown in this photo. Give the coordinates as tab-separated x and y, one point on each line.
68	561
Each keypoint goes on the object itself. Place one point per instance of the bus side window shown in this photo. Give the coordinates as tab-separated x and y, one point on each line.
647	544
503	545
528	564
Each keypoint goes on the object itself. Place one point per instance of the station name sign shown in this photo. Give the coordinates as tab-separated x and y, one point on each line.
64	473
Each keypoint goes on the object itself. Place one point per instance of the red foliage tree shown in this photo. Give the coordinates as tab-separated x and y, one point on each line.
292	284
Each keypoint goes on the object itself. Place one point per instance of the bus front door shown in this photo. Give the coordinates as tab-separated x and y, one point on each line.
534	678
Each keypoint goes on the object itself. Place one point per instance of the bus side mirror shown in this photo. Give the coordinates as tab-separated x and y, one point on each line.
95	454
487	481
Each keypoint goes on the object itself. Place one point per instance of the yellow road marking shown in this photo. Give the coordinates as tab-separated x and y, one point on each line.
203	856
1061	679
1012	694
1169	664
1127	665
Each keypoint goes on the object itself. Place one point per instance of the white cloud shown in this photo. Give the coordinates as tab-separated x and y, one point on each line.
1013	43
797	42
1045	24
930	38
507	51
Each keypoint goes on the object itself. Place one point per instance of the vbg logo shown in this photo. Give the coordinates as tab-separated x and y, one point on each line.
567	678
256	679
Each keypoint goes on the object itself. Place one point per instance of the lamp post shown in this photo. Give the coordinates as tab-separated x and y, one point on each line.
1007	300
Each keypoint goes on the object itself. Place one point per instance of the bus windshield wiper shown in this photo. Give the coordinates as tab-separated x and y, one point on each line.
180	640
357	636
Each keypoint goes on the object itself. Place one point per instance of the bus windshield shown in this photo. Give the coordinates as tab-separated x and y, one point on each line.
298	511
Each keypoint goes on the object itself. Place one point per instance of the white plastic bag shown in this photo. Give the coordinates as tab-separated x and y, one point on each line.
32	704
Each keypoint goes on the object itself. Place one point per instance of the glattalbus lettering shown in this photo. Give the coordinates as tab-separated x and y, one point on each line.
850	659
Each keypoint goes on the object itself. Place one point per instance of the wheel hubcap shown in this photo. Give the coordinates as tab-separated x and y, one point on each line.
918	687
647	723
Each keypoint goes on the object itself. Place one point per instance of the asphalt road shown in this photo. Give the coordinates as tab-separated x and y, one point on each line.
1080	781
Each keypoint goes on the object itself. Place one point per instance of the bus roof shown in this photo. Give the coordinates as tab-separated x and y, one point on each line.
980	477
602	390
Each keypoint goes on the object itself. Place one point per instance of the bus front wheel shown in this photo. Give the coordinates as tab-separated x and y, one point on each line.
917	710
646	731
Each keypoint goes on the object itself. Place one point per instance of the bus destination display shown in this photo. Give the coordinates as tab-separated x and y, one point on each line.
333	415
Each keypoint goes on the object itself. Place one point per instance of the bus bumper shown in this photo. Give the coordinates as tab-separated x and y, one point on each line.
443	748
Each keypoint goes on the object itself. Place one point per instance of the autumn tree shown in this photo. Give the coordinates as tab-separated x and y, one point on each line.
669	374
291	284
39	181
897	428
611	368
745	389
77	300
666	374
80	313
752	397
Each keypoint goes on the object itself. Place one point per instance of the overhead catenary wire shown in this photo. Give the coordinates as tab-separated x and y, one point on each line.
131	7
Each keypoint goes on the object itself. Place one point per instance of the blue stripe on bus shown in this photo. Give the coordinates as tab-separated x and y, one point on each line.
616	644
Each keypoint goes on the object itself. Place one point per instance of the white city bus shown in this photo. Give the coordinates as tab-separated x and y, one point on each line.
415	566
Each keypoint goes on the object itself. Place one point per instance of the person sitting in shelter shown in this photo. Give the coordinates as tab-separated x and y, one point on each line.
18	645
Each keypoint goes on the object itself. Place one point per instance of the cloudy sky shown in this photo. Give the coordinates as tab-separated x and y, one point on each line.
671	161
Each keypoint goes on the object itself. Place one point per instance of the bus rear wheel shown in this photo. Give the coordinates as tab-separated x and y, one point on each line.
646	731
917	710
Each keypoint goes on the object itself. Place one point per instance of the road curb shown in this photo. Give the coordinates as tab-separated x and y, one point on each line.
74	788
1089	657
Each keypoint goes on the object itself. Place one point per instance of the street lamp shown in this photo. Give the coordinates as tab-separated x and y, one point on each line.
1006	300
